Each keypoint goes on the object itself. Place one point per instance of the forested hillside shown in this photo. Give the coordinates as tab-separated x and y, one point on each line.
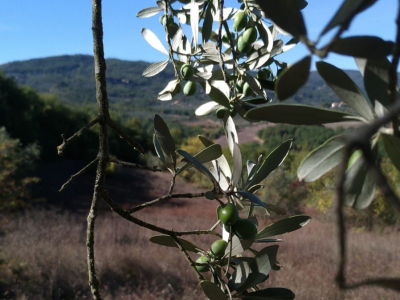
71	79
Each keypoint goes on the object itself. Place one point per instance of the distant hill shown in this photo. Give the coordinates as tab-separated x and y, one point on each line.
71	79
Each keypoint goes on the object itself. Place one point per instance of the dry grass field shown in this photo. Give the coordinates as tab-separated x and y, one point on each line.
43	255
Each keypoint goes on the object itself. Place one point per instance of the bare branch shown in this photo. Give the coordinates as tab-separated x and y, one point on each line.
72	178
66	142
126	215
221	59
188	258
123	135
166	197
133	165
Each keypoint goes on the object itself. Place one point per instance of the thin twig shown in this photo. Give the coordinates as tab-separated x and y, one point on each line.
166	197
123	135
172	185
126	215
72	178
188	258
170	52
66	142
221	58
133	165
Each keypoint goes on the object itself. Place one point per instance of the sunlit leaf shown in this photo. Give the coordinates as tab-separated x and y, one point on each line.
212	291
231	133
363	47
237	165
321	160
392	148
149	12
155	68
206	155
265	35
206	108
283	226
273	161
153	40
286	15
158	149
194	21
346	89
293	78
166	240
238	245
297	114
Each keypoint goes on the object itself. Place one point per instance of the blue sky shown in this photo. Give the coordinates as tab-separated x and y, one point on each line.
40	28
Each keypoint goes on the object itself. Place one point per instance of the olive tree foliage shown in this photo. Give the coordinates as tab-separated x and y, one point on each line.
232	54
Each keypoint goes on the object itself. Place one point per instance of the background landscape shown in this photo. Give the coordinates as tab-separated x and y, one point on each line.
42	233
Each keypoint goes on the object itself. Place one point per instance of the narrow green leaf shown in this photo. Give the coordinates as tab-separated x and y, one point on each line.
284	226
376	78
215	94
269	294
237	165
345	89
153	40
166	240
359	185
165	139
321	160
155	68
206	155
238	246
285	14
158	149
348	9
273	161
208	22
292	78
212	291
297	114
392	148
252	198
363	47
260	267
149	12
194	21
197	165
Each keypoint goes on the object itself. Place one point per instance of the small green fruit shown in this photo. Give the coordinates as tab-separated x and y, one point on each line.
245	229
240	21
220	112
163	20
228	214
247	91
263	74
190	88
202	260
243	46
232	111
187	71
250	35
218	248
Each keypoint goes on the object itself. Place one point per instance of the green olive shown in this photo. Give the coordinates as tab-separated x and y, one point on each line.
263	74
354	157
187	71
247	91
239	86
218	248
228	214
250	35
190	88
243	46
240	21
202	260
220	112
245	229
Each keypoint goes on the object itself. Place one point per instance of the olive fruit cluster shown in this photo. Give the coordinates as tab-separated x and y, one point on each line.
217	252
249	36
190	87
244	229
244	88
